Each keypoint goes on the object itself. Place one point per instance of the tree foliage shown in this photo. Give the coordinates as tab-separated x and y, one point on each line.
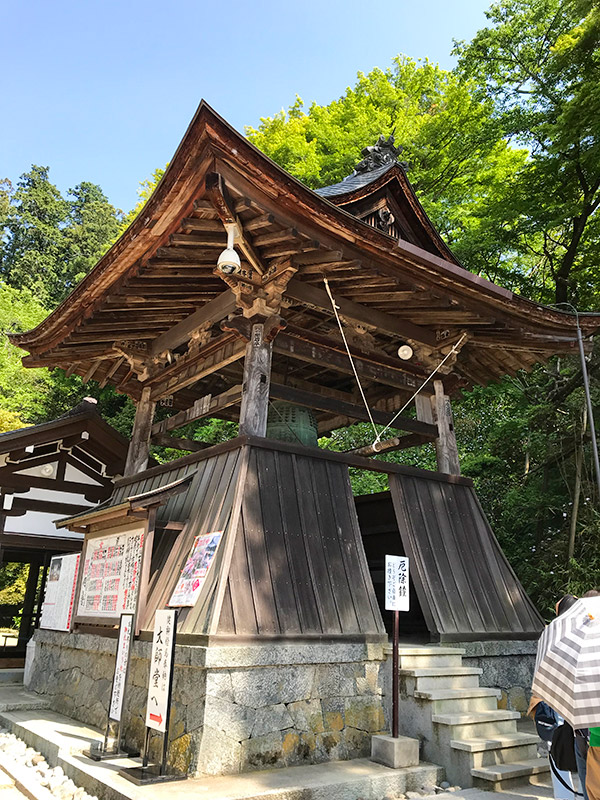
538	62
49	243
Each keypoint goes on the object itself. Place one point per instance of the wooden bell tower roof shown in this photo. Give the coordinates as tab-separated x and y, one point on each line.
156	312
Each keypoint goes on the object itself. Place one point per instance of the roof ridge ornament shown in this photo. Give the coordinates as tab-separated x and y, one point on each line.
378	155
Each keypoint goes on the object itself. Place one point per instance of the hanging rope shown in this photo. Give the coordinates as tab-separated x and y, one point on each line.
425	382
339	322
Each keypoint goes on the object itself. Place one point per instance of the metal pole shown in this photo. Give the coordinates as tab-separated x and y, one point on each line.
588	399
146	748
395	675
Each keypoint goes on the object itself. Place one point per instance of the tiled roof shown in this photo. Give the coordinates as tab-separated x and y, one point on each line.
353	182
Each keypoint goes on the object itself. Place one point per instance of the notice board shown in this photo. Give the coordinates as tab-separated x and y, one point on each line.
59	595
110	574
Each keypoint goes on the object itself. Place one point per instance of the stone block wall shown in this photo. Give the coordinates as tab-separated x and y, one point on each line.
234	708
507	666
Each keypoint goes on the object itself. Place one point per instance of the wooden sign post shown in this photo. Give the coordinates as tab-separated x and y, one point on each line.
397	599
101	750
158	707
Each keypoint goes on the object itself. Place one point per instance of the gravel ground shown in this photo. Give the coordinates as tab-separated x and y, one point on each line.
51	778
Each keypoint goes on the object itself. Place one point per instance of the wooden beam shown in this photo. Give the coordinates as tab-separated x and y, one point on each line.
318	298
445	445
215	188
194	366
390	445
139	446
330	358
321	402
191	445
213	311
255	390
203	407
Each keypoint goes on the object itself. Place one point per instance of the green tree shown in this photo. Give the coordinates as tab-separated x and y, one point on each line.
455	150
23	392
33	251
91	225
538	62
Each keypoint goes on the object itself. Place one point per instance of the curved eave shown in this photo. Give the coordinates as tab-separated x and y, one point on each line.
208	139
398	183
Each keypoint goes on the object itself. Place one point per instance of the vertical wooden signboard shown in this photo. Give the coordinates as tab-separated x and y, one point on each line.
397	599
158	707
104	750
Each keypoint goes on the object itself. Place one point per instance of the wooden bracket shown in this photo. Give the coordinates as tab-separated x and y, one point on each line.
217	192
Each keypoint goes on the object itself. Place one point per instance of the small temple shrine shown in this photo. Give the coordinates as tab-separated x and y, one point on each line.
241	294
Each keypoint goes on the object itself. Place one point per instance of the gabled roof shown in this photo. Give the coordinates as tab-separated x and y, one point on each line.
102	441
162	271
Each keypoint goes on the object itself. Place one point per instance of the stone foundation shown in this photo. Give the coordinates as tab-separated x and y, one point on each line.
234	708
507	666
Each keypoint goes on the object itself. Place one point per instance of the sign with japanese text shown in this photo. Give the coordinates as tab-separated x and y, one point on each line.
396	583
59	595
123	649
195	570
111	574
161	664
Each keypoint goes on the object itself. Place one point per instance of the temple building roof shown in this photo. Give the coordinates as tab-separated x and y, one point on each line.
156	311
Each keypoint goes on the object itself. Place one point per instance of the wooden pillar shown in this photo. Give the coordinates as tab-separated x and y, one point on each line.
139	446
445	445
255	389
26	626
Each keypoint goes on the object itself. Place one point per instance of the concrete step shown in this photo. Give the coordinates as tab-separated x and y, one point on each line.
14	696
430	657
478	724
11	676
507	749
503	776
495	743
444	701
427	679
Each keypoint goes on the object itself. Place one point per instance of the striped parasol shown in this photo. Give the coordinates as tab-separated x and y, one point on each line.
567	670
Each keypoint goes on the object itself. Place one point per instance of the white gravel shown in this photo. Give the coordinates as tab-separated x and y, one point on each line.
51	778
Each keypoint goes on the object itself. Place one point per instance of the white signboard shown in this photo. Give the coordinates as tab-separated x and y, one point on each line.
161	664
396	583
59	596
195	570
111	575
123	648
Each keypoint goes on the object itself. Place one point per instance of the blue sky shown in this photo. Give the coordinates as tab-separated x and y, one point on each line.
103	90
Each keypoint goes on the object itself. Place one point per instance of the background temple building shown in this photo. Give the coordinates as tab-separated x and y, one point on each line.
324	308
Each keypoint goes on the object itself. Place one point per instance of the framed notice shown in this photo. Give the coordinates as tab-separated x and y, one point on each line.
59	595
110	575
196	569
161	667
397	596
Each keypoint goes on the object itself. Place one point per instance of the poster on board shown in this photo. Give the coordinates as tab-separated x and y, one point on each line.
161	665
59	595
111	575
397	596
196	569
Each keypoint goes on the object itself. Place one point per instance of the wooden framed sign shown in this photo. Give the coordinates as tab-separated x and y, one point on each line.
59	596
110	574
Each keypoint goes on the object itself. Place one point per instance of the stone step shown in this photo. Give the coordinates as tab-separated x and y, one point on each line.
11	676
460	700
427	679
478	723
502	776
14	696
430	657
506	749
495	743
